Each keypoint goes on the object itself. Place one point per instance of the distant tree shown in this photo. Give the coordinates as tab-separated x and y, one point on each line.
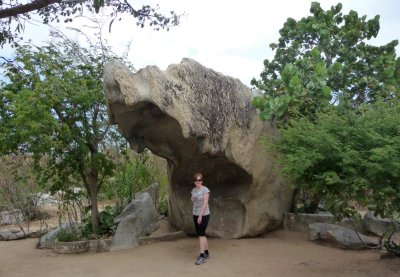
19	187
322	58
53	106
19	12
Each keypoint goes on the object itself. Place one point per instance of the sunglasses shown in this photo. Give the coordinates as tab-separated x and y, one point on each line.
197	180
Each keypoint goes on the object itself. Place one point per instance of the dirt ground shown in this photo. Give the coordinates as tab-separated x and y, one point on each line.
279	253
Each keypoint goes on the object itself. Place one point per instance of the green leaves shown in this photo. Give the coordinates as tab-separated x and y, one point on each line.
341	151
51	11
300	91
55	109
345	157
315	7
323	57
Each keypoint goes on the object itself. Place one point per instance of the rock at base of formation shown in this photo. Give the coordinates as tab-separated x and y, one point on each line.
201	121
138	219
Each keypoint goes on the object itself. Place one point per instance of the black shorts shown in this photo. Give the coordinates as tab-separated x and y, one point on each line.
201	228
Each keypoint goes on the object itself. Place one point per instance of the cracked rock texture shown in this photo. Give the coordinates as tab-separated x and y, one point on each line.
201	121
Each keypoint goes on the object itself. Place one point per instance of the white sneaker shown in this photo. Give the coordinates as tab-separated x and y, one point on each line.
200	260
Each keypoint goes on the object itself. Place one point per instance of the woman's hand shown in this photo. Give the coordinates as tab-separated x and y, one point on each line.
199	219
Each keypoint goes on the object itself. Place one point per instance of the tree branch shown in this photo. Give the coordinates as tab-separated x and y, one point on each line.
22	9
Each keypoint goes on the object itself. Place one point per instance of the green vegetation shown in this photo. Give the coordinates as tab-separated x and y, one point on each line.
323	59
335	101
19	187
53	111
135	172
68	236
53	108
106	227
345	156
18	13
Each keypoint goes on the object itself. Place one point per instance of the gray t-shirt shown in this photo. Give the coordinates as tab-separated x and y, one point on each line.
198	200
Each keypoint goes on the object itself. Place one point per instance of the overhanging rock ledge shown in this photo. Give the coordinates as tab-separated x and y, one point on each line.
201	121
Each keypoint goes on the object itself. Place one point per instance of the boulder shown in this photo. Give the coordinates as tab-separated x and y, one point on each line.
47	240
340	236
300	221
201	121
153	191
138	219
15	216
12	235
38	233
15	234
379	226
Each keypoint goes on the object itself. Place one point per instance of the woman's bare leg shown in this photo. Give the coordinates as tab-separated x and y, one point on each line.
203	244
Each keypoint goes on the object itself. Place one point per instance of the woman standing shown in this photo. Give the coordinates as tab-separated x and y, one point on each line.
201	215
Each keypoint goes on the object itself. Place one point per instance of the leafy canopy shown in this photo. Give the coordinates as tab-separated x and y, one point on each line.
53	107
323	58
19	12
346	156
335	100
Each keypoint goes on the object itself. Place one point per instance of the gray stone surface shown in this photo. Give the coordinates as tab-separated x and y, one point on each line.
154	193
47	240
100	245
201	121
72	247
11	217
15	234
164	237
377	225
138	219
340	236
300	221
12	235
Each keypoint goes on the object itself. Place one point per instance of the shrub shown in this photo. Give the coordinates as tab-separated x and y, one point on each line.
68	236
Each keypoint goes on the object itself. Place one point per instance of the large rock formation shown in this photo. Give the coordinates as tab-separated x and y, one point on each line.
201	121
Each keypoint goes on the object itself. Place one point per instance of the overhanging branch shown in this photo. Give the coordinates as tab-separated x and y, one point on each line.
33	6
26	8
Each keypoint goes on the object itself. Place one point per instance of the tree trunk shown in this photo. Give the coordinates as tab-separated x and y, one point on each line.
293	206
93	191
313	208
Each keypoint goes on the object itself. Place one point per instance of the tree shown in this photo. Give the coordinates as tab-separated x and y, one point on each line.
322	57
347	155
52	10
348	158
53	106
19	189
335	100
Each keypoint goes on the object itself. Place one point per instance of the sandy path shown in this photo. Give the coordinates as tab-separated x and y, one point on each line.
280	253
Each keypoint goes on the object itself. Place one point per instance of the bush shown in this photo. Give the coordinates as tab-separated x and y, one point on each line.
347	155
68	236
134	173
106	227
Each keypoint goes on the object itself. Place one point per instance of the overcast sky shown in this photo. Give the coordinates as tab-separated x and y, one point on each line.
231	36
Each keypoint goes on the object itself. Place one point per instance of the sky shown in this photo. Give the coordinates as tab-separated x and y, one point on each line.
229	36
